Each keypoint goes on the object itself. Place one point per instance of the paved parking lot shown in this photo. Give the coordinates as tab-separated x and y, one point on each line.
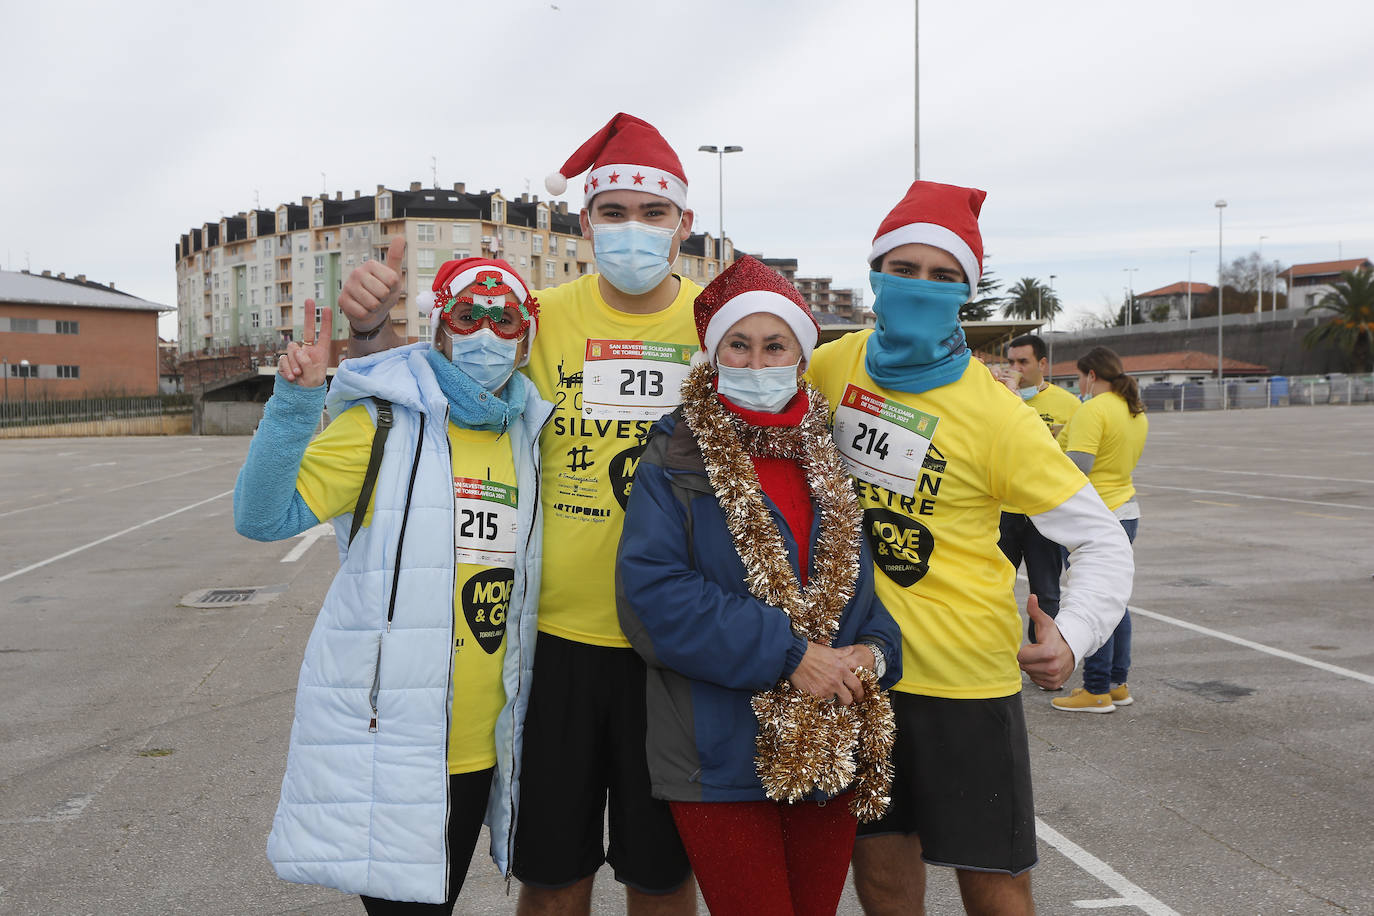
142	741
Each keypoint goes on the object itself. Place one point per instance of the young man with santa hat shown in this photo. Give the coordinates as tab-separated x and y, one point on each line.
612	352
936	445
418	666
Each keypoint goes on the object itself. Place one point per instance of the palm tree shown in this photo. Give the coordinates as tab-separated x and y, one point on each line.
1350	324
1030	298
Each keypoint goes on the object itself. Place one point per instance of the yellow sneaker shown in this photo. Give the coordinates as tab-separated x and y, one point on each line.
1121	695
1082	701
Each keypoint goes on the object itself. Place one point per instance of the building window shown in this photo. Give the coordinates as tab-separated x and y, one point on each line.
384	207
548	270
424	258
538	244
524	261
24	325
424	232
498	211
252	274
69	372
365	232
542	218
460	253
570	246
18	371
254	316
462	233
328	239
319	265
269	317
348	233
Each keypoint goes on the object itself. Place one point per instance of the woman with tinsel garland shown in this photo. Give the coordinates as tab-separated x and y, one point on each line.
745	584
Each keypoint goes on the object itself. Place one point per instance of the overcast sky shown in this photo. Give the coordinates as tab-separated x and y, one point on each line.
1102	131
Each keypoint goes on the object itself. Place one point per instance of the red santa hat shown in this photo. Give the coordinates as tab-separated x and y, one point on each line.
942	215
497	278
745	288
627	154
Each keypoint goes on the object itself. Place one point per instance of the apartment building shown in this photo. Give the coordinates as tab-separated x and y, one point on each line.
1308	284
242	282
831	305
68	337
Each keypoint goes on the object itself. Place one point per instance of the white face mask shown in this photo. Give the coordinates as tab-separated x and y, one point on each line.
767	390
633	256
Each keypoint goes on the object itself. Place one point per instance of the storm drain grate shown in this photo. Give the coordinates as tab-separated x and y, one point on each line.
232	597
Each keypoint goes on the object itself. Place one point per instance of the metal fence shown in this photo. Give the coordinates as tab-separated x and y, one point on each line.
1275	391
108	416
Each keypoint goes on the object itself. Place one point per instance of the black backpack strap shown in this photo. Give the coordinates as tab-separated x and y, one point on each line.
374	464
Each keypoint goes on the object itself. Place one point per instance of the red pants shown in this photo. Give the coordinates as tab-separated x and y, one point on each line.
768	858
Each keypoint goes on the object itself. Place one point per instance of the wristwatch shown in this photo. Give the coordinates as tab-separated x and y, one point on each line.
879	661
366	335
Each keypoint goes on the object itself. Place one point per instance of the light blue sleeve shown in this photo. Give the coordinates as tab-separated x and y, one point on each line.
266	504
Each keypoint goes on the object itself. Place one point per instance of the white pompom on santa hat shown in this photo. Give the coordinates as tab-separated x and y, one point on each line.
628	154
944	216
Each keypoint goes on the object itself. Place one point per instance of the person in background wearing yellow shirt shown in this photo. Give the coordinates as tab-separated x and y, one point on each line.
419	663
1028	363
612	352
1105	439
936	445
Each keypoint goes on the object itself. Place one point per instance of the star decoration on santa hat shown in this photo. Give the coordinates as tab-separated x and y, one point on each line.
663	183
595	182
639	179
615	178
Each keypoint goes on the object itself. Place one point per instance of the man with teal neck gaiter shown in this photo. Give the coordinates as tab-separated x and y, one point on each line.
936	445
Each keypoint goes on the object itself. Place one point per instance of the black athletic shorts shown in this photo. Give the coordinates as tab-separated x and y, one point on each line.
584	757
962	782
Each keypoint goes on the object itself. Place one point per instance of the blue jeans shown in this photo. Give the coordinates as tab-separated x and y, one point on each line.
1021	541
1112	663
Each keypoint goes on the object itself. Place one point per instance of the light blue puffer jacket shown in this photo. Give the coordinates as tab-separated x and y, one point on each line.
365	811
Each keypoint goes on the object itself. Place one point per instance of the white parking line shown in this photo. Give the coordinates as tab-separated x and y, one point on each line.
308	538
109	537
1189	467
1131	895
1258	647
1282	499
140	483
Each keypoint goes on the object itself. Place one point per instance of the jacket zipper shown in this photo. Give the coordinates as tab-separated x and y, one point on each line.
395	578
448	707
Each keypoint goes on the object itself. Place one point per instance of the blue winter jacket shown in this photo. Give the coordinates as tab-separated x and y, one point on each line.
365	809
709	644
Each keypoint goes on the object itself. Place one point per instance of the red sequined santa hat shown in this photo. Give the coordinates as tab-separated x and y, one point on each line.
628	154
942	215
497	277
745	288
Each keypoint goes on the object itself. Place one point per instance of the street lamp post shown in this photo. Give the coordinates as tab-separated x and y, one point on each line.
720	152
1221	206
1274	290
1259	279
1130	292
1048	339
24	371
1191	252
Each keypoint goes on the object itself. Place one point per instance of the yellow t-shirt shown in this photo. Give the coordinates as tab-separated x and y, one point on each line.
939	570
1055	406
485	496
588	463
1104	428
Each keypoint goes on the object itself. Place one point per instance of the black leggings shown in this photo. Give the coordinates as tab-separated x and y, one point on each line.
467	804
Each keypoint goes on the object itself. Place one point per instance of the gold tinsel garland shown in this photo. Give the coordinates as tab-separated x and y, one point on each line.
805	743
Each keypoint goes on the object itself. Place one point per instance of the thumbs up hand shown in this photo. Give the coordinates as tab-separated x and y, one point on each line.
372	289
1049	660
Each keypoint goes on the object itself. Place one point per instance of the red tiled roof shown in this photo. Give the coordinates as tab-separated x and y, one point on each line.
1176	361
1177	289
1332	268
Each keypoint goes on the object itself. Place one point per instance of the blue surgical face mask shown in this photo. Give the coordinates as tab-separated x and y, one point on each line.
485	358
1028	393
633	256
767	390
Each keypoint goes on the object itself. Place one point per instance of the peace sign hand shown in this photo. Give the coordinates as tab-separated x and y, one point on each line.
305	365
